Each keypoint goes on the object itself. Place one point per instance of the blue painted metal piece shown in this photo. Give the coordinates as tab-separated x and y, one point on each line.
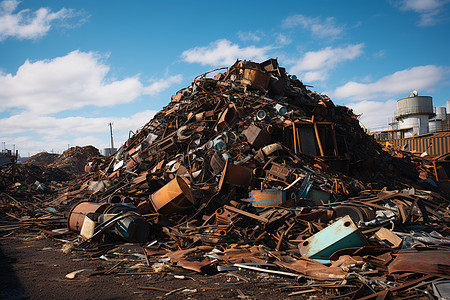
318	197
134	229
341	234
305	186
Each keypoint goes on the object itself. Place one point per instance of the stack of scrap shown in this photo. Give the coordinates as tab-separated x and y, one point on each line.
251	170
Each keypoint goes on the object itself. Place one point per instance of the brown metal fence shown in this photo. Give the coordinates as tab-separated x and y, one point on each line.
434	144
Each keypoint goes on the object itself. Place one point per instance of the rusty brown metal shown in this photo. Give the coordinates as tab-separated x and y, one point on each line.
175	196
235	175
432	262
79	212
228	118
435	144
256	136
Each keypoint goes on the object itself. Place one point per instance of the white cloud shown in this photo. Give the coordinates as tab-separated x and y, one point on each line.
400	82
282	40
223	52
376	115
54	126
314	76
39	90
27	24
162	84
71	82
33	133
246	36
316	64
379	54
321	28
430	11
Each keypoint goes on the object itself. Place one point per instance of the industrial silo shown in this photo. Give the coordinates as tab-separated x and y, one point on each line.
413	113
441	113
434	125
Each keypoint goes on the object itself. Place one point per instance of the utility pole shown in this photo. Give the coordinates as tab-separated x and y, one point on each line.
110	129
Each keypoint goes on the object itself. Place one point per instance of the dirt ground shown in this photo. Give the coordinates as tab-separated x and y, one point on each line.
35	267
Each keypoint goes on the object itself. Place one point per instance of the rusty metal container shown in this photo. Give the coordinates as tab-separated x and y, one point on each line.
236	175
267	198
253	76
174	197
228	118
79	212
256	136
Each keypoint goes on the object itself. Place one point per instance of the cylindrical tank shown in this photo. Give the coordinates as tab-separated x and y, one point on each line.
448	105
415	106
175	196
79	212
441	113
417	123
435	124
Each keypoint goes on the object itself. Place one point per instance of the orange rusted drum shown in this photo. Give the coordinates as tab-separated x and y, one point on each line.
174	197
79	211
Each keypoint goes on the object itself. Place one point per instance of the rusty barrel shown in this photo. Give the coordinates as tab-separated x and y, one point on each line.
79	212
174	197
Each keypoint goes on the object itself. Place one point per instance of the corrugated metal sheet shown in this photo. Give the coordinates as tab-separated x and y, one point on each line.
434	144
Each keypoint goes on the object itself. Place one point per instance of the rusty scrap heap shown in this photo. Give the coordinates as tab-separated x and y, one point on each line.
251	170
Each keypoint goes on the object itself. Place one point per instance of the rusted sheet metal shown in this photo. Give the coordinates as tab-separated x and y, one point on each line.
433	262
442	168
313	269
339	235
179	257
267	198
388	237
397	288
434	145
245	213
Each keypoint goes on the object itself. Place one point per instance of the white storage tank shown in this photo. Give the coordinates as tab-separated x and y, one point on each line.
441	113
435	125
413	113
414	125
415	105
448	105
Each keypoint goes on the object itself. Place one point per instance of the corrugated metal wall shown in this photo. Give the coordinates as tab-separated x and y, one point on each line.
436	144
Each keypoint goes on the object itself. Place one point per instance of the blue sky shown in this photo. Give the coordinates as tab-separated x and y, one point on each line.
68	68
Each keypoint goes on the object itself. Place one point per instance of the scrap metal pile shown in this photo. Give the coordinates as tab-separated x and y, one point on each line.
251	170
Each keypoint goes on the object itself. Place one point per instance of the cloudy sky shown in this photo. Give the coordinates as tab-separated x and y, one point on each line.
68	68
